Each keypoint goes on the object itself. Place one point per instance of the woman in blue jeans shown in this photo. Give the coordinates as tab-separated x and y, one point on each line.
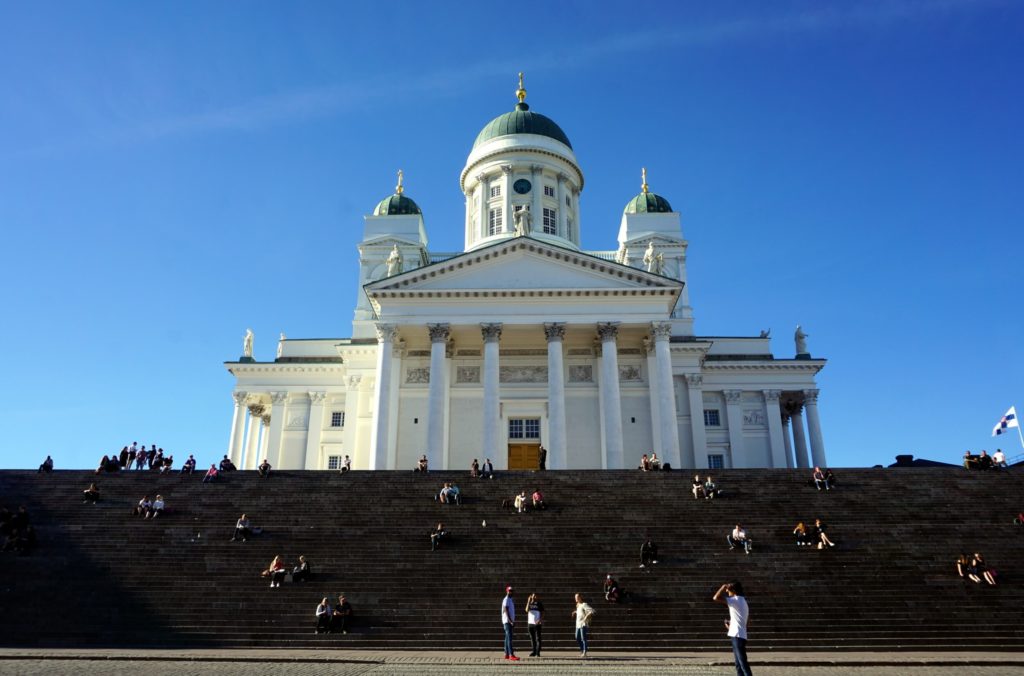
583	613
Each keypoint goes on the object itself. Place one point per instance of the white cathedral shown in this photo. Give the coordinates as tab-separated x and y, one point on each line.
523	339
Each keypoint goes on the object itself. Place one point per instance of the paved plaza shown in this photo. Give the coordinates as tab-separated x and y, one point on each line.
379	663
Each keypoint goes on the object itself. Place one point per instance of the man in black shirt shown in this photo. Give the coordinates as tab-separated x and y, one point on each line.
342	613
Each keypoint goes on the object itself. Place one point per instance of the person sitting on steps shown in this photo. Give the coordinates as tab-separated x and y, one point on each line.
143	508
963	565
323	617
474	470
47	466
612	592
276	571
488	471
342	615
655	463
226	465
802	537
819	532
998	459
92	494
436	535
520	502
211	475
645	464
189	467
698	487
710	489
819	480
979	570
264	469
422	466
984	460
739	537
538	500
242	529
157	509
648	553
301	572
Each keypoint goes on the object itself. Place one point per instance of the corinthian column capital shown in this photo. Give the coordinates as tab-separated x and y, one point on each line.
607	330
554	331
439	332
491	332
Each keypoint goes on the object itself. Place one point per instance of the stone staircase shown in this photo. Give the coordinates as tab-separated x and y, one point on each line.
100	577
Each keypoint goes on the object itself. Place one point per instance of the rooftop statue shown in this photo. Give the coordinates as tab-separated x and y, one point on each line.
801	340
247	344
524	221
394	262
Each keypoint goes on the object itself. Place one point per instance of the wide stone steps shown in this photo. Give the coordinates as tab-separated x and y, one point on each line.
889	584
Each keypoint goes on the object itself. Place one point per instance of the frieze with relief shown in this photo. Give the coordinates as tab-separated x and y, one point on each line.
753	418
467	374
523	374
629	373
417	376
581	373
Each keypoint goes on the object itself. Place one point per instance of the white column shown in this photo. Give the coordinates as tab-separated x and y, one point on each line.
279	400
775	431
382	396
537	196
508	223
608	331
695	390
668	420
560	192
492	415
814	428
558	449
264	440
435	398
252	446
349	439
484	190
237	428
788	441
314	428
799	440
734	418
653	395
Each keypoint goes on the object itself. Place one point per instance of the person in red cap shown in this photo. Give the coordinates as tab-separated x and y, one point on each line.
508	621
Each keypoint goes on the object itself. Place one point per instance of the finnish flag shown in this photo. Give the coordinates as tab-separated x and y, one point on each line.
1009	420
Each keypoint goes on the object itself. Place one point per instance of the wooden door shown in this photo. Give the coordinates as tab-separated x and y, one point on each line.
523	456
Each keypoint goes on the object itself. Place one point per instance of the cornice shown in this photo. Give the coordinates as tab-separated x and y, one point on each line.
804	367
236	368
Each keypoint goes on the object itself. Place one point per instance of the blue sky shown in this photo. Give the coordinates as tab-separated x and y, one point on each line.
171	173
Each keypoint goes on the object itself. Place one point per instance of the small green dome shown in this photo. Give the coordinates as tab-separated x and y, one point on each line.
647	203
521	121
396	205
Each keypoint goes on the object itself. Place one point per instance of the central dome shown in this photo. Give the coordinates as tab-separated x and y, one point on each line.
521	121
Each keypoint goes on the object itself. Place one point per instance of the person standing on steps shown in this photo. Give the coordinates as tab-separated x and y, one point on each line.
583	614
731	594
535	621
542	459
508	622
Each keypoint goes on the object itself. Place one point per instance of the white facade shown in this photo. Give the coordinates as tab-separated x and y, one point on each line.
523	339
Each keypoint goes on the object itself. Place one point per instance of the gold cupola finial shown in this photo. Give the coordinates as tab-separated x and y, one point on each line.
643	184
521	93
399	188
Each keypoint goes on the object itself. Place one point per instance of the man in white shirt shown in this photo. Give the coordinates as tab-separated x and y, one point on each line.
731	594
508	621
346	465
739	537
999	458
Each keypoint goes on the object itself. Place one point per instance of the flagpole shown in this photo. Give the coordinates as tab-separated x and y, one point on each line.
1019	434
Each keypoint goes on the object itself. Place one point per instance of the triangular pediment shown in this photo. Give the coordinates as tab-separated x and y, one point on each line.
523	264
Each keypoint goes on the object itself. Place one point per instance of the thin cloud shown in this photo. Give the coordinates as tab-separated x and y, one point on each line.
299	105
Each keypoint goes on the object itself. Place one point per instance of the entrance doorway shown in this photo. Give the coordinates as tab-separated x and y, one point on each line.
523	456
523	443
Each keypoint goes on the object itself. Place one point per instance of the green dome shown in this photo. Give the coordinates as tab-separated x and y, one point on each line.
396	205
521	121
647	203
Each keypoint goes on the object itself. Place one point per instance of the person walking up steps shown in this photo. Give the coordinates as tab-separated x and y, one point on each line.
731	594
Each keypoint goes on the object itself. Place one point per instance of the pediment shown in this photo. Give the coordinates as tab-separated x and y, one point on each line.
524	265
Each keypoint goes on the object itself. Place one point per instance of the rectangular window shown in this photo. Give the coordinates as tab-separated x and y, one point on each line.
334	462
495	191
568	201
337	418
550	221
549	191
494	221
524	428
711	418
716	461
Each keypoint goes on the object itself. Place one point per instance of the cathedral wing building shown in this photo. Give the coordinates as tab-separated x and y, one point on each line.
525	340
